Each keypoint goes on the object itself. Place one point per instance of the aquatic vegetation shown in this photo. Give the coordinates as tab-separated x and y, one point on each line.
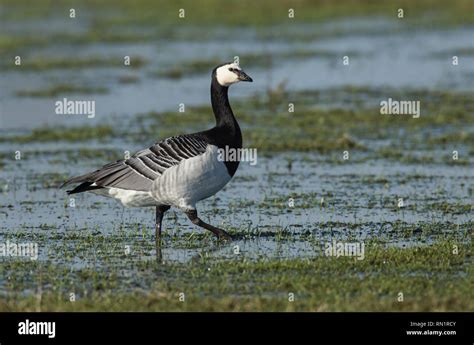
61	89
330	168
431	278
42	63
266	12
100	132
310	128
140	20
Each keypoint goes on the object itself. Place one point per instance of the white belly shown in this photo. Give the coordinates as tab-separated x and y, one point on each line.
128	198
191	180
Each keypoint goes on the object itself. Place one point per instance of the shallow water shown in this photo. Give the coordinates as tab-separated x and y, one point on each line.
381	53
347	201
257	204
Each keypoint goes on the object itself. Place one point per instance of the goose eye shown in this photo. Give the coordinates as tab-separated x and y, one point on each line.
232	69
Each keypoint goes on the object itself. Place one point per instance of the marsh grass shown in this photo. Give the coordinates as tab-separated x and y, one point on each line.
431	278
415	258
62	89
44	63
101	132
148	21
266	12
268	126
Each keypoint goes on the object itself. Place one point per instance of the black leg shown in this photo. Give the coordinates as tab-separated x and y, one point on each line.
192	215
160	212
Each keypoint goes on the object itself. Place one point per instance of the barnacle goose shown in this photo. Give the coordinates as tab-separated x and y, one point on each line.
178	171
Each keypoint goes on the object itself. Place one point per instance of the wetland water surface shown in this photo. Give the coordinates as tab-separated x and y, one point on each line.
400	188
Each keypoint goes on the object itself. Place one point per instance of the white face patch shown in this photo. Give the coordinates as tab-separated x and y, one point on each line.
226	77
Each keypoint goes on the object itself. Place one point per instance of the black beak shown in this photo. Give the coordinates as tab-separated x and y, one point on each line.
243	76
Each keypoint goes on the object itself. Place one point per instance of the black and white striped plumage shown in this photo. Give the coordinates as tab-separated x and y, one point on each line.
140	171
177	171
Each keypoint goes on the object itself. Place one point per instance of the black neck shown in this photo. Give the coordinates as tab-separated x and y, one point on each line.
220	105
227	130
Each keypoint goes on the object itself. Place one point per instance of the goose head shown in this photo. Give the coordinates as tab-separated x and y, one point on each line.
230	73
